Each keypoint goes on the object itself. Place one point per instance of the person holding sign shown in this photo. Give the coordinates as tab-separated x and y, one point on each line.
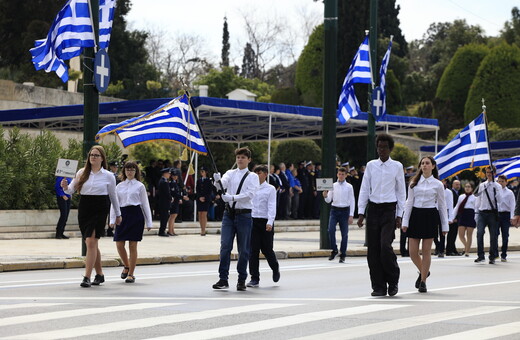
342	212
96	185
136	214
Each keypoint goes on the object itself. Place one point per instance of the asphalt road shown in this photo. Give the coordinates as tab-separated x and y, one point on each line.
315	299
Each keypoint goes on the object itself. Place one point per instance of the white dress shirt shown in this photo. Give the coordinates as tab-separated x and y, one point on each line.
482	201
428	193
132	193
383	182
264	203
508	202
231	181
342	196
102	182
448	194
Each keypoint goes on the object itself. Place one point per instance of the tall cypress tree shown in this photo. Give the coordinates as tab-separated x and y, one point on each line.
250	67
225	45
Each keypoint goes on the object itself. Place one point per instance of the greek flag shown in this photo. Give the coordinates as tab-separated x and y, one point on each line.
509	167
358	72
382	77
106	17
69	33
467	150
173	121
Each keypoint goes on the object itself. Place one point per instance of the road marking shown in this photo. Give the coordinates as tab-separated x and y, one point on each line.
30	305
491	332
412	321
16	320
147	322
278	322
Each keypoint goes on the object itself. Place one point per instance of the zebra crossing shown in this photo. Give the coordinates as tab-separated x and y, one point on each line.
294	320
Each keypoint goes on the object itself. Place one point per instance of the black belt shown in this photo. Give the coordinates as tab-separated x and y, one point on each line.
385	204
238	211
341	208
488	211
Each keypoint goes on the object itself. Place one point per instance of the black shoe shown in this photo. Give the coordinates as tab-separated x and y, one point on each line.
491	261
174	234
441	255
392	289
276	276
163	235
221	284
85	283
333	255
58	237
405	254
342	258
422	287
418	282
253	283
436	253
98	279
130	279
110	232
241	285
123	274
378	293
64	237
479	259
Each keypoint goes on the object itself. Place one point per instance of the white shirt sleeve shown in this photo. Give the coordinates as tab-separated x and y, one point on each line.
443	210
352	201
271	206
330	196
408	208
364	191
400	192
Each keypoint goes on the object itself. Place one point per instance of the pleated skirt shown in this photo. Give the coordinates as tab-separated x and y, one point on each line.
424	223
132	227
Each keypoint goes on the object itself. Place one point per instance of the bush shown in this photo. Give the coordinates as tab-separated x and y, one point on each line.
404	155
294	151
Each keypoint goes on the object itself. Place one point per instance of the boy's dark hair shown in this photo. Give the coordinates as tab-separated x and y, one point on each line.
243	151
342	169
261	168
491	167
383	137
502	177
176	163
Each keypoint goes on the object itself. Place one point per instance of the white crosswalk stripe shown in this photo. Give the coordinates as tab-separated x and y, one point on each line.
412	321
483	333
279	322
30	305
147	322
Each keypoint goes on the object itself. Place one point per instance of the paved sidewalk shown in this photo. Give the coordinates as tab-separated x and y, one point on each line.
28	254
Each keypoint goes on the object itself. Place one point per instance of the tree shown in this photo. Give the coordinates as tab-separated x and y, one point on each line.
452	92
511	31
225	45
404	155
250	68
498	81
294	151
309	69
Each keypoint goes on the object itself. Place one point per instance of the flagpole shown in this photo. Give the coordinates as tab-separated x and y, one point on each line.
487	138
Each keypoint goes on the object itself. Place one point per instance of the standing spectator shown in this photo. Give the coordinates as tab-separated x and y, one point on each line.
297	198
342	211
303	177
486	206
177	194
466	217
290	178
239	187
383	195
505	214
451	238
63	201
285	198
136	214
95	185
164	200
189	194
151	184
311	197
264	213
425	209
204	196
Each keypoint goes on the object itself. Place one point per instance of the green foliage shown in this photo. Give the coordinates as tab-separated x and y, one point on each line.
309	70
498	81
352	149
294	151
454	85
507	134
511	31
114	89
286	95
113	152
154	150
404	155
394	102
27	166
222	82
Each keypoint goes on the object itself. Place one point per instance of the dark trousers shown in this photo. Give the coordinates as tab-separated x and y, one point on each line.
261	240
64	206
382	261
239	225
403	243
164	215
283	201
487	219
440	241
503	227
452	238
339	216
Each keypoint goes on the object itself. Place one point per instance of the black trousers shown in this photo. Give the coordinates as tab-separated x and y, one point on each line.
64	206
164	215
452	238
381	258
261	240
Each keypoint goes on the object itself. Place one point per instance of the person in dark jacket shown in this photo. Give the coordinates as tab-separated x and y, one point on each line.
63	201
164	199
204	193
177	195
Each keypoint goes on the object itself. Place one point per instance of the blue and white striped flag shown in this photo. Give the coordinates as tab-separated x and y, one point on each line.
509	167
358	72
382	77
172	121
106	17
469	149
69	33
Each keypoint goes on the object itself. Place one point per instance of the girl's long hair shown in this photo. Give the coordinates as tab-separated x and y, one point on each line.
419	173
88	167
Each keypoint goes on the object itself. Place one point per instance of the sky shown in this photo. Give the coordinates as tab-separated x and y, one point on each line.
204	18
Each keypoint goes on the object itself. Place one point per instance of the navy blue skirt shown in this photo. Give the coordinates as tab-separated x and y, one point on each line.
203	206
132	227
424	223
467	218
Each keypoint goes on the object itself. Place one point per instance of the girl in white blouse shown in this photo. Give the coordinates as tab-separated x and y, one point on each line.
136	214
424	210
96	185
465	214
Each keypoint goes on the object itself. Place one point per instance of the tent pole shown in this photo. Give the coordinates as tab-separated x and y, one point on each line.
269	143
